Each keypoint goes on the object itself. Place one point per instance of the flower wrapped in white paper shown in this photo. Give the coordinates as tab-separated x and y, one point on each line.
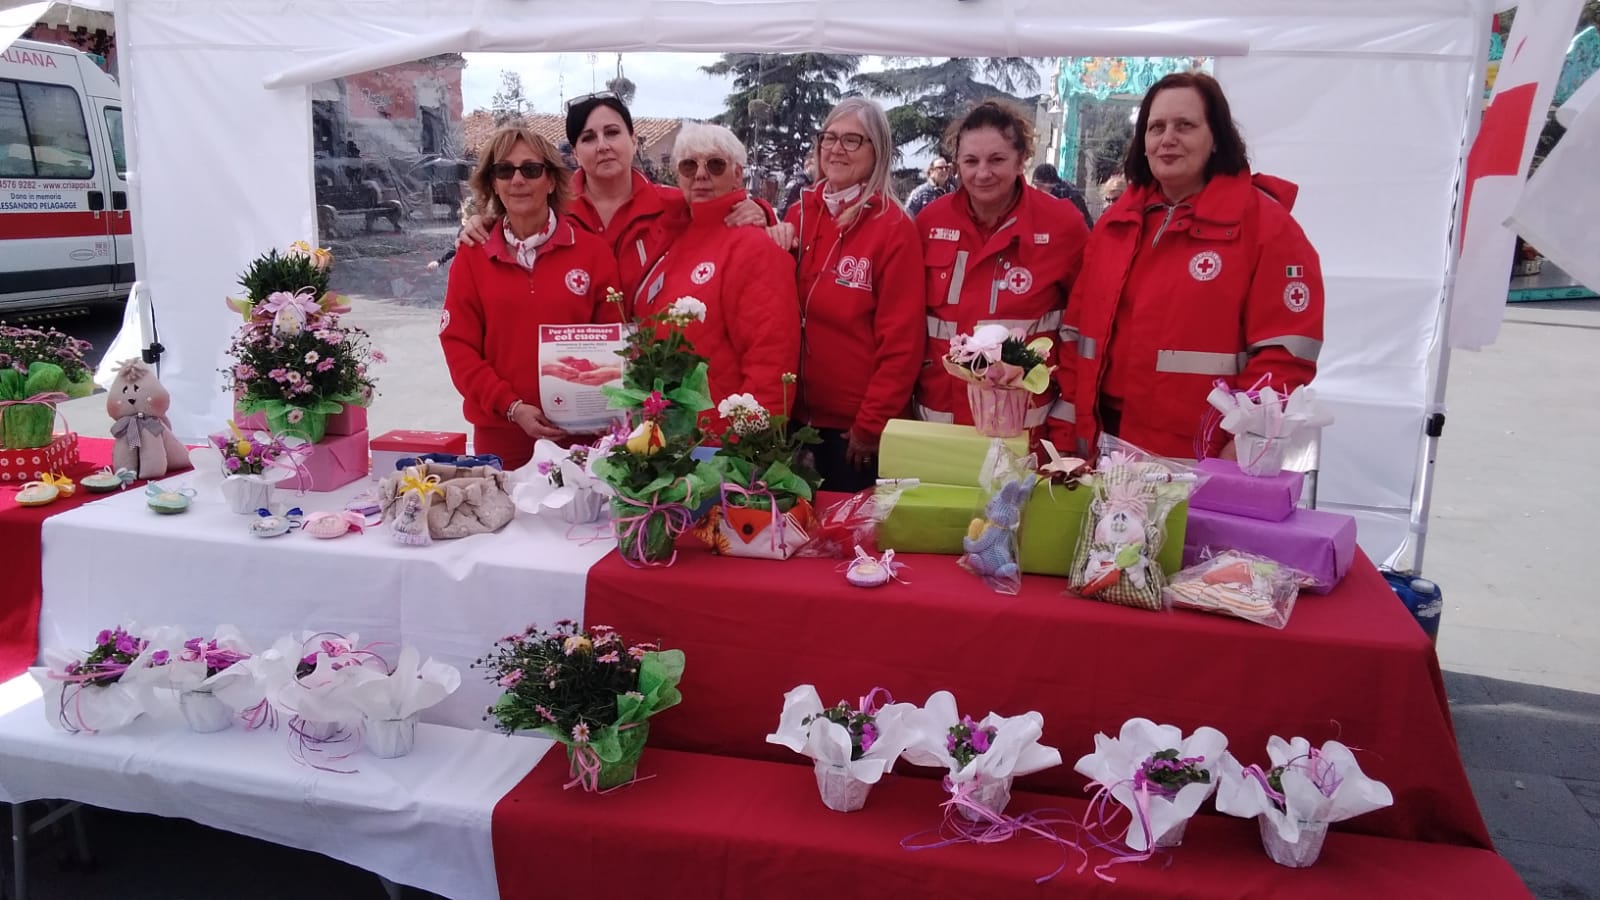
391	703
1305	790
981	757
563	480
197	667
108	687
1161	777
1266	424
852	748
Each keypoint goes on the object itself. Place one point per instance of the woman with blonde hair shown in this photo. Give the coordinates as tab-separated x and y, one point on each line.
859	282
534	269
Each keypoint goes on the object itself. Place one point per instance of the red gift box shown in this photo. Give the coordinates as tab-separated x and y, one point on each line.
393	446
334	462
28	464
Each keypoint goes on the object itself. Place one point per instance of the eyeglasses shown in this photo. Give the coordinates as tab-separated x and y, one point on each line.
715	167
850	142
585	98
503	171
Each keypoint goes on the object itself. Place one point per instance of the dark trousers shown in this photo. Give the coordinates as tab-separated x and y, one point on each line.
837	473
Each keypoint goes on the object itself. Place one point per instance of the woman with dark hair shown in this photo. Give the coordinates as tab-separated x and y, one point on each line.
534	269
996	251
1196	275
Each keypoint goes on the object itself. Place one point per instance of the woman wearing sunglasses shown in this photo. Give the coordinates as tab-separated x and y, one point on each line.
751	333
860	288
533	269
613	199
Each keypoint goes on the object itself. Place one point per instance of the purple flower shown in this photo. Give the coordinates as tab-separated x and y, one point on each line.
511	678
159	658
378	356
327	364
104	637
278	375
608	657
232	463
980	740
869	736
244	371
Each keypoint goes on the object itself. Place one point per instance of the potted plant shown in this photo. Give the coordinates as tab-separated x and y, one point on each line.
851	747
38	369
1002	372
766	483
1160	775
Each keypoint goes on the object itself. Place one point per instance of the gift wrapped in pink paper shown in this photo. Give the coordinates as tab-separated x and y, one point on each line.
336	461
1320	544
1271	498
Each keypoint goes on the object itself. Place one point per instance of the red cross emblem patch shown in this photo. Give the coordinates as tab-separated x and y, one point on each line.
1019	280
1205	265
1297	296
578	281
703	272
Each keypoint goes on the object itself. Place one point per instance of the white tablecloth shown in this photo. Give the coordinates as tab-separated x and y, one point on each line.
115	561
421	820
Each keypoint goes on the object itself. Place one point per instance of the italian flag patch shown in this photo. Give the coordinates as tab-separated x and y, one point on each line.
1294	271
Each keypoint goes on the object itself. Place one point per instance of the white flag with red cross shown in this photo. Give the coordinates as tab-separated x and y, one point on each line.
1498	164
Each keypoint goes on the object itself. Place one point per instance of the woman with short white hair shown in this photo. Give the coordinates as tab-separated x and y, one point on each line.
859	283
751	332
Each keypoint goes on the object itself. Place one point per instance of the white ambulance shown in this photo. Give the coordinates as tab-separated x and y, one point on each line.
66	235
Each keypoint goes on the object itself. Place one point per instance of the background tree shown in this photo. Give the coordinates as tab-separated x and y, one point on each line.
510	103
624	88
934	93
779	101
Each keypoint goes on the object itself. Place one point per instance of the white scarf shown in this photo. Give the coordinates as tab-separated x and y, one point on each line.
836	201
528	249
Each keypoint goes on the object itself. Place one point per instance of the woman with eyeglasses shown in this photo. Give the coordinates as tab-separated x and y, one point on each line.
859	281
751	333
535	268
997	251
613	199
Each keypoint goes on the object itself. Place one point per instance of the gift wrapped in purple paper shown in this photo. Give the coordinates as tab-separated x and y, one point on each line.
333	462
1271	498
1321	544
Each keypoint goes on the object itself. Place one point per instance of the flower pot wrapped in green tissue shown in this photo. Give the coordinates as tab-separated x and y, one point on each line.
30	398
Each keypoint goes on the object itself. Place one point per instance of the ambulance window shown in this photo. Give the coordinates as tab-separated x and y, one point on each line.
119	157
42	132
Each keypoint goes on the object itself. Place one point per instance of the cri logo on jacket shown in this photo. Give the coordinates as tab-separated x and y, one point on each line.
703	272
578	281
855	272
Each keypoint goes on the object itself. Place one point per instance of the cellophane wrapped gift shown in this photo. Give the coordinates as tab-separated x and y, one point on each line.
1238	584
1319	543
1158	774
991	548
849	757
1304	790
981	757
1124	531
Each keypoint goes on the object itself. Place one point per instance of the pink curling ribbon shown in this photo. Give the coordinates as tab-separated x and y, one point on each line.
776	533
585	766
44	398
992	828
678	518
304	745
1103	807
261	714
869	705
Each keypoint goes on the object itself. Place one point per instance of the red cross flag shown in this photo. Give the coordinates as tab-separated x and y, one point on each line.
1556	214
1498	164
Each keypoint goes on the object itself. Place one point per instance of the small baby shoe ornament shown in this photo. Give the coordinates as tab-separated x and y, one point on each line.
866	572
329	525
167	501
60	482
267	524
106	480
37	493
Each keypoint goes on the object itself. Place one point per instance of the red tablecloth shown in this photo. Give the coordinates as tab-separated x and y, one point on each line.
1352	665
713	827
20	528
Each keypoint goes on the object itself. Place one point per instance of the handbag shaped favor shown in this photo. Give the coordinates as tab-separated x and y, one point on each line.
469	500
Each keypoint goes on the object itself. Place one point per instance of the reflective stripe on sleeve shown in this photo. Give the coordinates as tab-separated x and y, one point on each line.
1298	346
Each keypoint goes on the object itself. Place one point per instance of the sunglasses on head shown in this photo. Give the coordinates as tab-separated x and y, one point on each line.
715	166
503	171
597	95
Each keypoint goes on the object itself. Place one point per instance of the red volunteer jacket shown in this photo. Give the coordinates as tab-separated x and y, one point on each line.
633	235
1019	277
1222	286
751	335
861	314
492	312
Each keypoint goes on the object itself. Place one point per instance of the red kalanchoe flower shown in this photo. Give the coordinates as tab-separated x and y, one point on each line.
655	404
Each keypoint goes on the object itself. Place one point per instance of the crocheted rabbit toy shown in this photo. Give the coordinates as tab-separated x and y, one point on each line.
990	549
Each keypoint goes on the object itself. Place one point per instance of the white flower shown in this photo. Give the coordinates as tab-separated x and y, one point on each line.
738	403
688	308
312	357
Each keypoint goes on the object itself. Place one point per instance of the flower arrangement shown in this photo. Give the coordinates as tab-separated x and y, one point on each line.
38	369
767	482
1001	370
967	739
851	747
860	724
1294	801
245	455
1165	773
215	655
655	480
1158	774
294	359
588	689
107	687
979	780
564	479
115	651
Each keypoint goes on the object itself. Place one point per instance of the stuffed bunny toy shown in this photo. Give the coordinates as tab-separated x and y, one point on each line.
990	547
144	440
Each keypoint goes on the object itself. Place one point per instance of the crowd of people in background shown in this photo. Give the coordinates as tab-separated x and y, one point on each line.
1195	273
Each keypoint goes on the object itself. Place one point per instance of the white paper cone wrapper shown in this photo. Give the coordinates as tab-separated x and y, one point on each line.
1258	455
247	493
93	708
392	738
991	793
1299	854
841	791
585	506
204	712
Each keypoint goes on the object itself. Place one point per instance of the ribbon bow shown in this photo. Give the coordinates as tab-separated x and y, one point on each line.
303	298
60	482
45	398
134	425
413	480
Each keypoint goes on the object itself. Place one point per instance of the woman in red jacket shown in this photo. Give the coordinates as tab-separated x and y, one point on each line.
535	269
996	251
860	290
751	333
1197	274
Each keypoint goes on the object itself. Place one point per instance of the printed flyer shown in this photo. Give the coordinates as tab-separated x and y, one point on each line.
575	361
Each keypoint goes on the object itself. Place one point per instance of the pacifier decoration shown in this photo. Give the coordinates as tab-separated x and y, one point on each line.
268	524
329	525
167	501
106	480
866	572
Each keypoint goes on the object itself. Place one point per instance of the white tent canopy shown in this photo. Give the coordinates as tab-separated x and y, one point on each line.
1364	103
